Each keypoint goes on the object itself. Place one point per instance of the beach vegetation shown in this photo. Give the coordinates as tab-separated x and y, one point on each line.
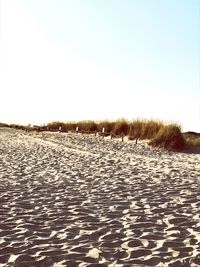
106	125
120	127
169	137
192	139
193	142
87	126
4	124
159	134
144	129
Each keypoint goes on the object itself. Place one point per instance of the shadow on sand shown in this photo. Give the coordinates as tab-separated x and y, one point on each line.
191	150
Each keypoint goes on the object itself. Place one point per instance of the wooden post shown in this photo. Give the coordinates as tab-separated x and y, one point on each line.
77	129
136	141
103	130
122	137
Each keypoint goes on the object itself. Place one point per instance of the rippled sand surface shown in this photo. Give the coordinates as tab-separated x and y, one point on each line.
79	200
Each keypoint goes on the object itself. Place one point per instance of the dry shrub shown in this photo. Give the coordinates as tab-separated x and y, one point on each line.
193	142
135	129
107	125
192	139
55	125
150	129
70	126
87	126
3	124
121	127
144	129
169	137
19	127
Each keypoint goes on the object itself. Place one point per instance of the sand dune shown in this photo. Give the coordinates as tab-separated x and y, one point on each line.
79	200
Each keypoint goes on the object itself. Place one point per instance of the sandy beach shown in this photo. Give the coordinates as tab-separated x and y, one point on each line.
81	200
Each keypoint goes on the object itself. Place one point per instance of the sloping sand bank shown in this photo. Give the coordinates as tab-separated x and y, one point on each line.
79	200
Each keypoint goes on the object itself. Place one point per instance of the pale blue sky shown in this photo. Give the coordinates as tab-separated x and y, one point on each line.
100	59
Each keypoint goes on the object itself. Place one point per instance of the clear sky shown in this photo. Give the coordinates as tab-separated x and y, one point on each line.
100	59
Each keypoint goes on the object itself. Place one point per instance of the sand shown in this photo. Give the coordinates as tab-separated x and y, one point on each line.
81	200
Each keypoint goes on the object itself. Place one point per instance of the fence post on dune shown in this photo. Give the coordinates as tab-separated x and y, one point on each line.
60	129
136	140
103	131
122	137
77	129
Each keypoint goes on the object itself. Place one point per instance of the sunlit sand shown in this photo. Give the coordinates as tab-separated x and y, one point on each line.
83	200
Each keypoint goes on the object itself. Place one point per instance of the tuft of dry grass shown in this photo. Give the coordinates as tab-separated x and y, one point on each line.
3	124
107	125
169	137
144	129
193	142
120	127
69	126
55	126
19	127
87	126
192	139
135	129
150	129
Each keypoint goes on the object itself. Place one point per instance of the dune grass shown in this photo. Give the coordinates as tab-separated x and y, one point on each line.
120	127
3	124
88	126
193	142
169	137
107	125
159	134
192	139
144	129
